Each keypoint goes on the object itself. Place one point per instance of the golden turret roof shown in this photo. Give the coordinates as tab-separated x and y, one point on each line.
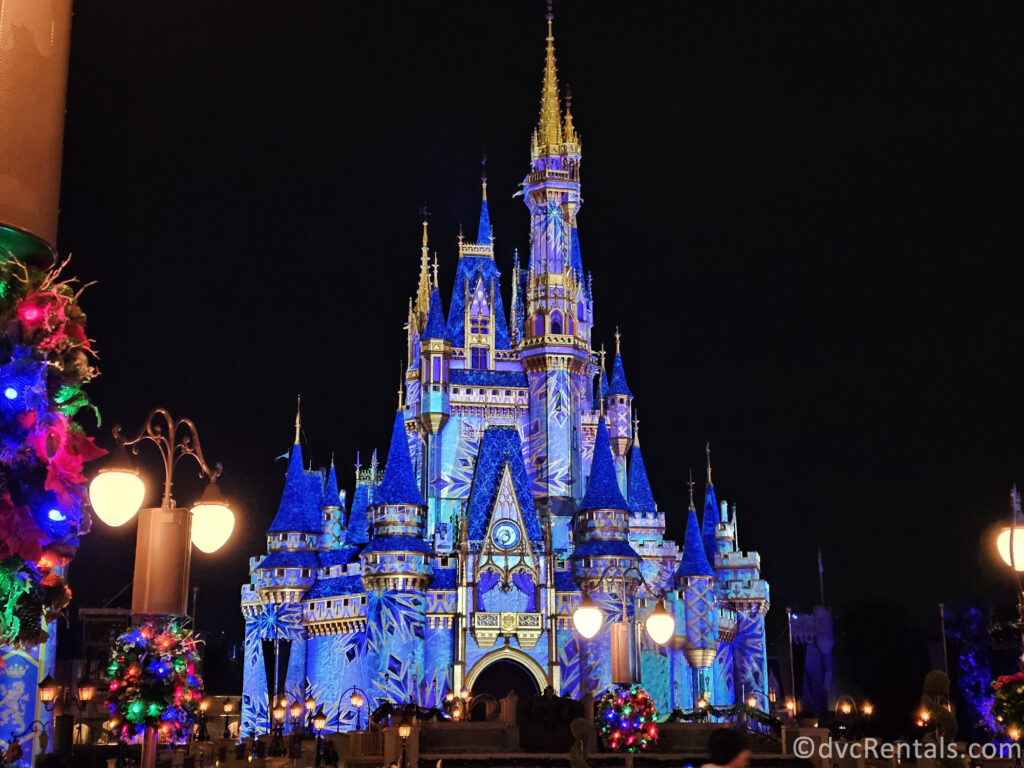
423	289
550	128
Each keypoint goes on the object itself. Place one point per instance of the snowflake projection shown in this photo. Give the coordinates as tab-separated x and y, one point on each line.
725	686
554	236
751	666
579	669
394	637
457	468
283	622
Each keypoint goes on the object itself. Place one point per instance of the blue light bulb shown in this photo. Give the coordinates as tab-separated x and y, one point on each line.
11	393
56	515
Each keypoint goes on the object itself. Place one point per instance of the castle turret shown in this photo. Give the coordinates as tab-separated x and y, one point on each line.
710	519
332	511
695	580
397	558
619	410
603	549
646	524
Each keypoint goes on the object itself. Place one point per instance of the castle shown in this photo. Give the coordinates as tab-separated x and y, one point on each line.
514	484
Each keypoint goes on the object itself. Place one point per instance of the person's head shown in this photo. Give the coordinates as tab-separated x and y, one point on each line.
726	747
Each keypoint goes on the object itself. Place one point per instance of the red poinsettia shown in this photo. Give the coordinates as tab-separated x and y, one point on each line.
64	450
19	534
1008	680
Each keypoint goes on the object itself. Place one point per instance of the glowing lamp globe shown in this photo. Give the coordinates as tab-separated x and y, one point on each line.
48	690
357	700
404	731
320	720
229	706
279	712
116	495
1015	559
310	703
751	701
587	618
868	708
212	520
86	691
661	625
296	710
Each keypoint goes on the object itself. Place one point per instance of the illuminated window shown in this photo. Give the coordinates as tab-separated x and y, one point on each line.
538	325
478	358
556	322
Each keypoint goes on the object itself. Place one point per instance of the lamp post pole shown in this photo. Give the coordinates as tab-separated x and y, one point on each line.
165	533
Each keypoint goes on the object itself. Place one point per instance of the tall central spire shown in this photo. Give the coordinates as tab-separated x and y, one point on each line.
550	114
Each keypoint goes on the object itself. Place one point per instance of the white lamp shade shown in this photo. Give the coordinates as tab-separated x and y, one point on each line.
661	625
212	525
1003	545
116	495
588	618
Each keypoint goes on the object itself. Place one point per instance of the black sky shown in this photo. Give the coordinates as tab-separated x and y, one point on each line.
804	216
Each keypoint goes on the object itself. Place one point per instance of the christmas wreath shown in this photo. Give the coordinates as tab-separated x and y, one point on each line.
153	680
626	718
1008	704
45	360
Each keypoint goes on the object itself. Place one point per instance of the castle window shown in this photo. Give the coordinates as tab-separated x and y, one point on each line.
436	369
538	325
328	604
481	325
556	322
279	572
479	358
579	312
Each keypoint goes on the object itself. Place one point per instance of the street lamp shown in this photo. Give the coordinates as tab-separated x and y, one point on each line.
319	721
204	733
86	691
310	705
357	700
276	748
403	732
588	617
162	550
48	692
229	707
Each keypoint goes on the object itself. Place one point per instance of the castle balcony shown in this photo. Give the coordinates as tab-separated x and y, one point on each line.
525	627
739	561
251	603
726	625
746	596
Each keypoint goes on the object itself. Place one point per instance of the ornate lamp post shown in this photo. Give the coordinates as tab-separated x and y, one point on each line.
229	707
310	708
162	551
277	741
358	700
319	721
660	624
86	691
203	733
403	732
48	693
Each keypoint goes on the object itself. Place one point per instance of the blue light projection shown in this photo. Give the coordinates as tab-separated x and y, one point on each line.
514	479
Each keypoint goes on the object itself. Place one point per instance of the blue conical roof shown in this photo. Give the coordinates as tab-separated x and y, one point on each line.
399	484
618	384
710	521
357	530
483	230
640	497
437	326
603	490
299	509
604	383
332	497
695	559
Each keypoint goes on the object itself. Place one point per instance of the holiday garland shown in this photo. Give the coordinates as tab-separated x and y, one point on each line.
701	715
45	360
626	718
153	680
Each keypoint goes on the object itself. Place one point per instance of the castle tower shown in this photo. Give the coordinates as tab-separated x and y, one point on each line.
695	580
619	410
602	545
710	519
435	404
396	571
555	348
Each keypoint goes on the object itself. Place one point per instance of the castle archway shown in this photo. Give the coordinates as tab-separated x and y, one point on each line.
506	669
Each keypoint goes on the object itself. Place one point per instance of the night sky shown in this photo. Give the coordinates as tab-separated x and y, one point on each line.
803	216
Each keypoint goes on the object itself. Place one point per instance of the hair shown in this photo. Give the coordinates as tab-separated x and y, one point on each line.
724	744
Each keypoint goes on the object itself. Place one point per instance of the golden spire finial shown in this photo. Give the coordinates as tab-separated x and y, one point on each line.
618	341
423	288
298	418
691	489
550	113
435	266
570	130
603	369
483	177
707	450
636	428
401	387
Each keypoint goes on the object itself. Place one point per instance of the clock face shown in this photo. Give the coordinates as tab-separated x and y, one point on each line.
505	534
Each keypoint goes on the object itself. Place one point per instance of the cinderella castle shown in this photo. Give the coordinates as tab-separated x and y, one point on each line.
514	486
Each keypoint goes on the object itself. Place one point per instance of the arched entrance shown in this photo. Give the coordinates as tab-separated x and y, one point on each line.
502	676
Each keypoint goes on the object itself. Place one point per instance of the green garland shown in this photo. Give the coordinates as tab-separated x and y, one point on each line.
702	714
